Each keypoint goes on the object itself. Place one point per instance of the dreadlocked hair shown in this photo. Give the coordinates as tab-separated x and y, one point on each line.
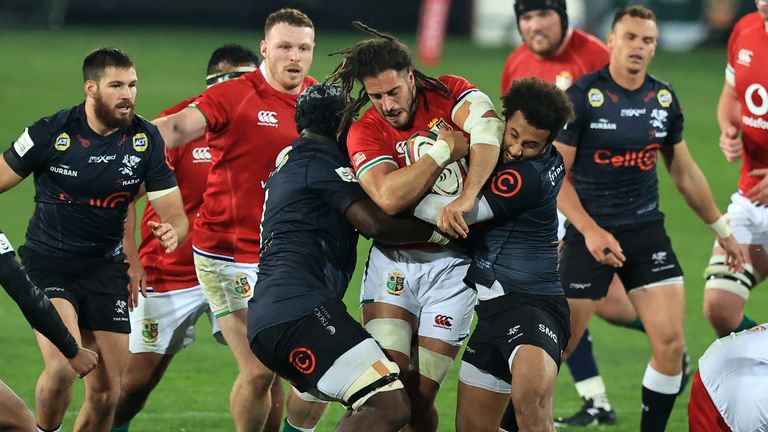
370	58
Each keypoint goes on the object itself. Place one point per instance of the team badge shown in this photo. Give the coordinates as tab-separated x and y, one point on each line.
563	80
665	98
150	330
140	142
595	97
396	283
62	142
436	124
242	286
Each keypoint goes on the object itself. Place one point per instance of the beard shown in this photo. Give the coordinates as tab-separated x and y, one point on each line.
109	116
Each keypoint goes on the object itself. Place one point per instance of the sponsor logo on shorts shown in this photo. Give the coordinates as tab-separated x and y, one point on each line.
53	289
471	350
322	315
443	322
660	259
242	286
395	283
514	332
303	360
120	306
62	142
150	331
140	142
544	329
580	286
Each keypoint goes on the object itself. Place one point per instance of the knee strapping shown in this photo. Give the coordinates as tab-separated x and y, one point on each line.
432	365
718	276
391	334
380	377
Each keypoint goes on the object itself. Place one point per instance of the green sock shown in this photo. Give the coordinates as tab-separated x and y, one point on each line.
288	427
635	325
746	323
123	428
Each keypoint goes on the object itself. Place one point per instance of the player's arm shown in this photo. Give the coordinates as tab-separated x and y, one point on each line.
374	223
8	177
693	186
39	311
182	127
395	189
476	115
600	243
728	117
136	274
172	229
428	210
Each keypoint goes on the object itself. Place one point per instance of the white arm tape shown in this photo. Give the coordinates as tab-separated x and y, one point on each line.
730	76
722	227
481	130
429	208
440	153
161	193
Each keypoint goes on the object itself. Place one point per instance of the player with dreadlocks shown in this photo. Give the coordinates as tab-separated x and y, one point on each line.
417	291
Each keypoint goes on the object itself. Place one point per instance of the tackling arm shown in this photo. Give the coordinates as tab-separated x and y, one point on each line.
395	190
182	127
372	222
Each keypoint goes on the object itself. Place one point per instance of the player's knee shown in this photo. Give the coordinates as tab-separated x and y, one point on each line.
103	399
532	411
60	374
258	381
670	346
393	408
722	319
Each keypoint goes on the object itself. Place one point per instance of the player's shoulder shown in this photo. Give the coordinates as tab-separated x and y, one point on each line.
60	121
590	80
659	84
370	121
178	107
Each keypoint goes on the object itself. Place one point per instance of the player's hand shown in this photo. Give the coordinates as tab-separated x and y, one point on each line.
456	141
166	233
84	362
604	247
137	281
734	256
451	218
759	193
730	144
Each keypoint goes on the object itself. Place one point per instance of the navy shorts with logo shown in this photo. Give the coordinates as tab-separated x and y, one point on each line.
646	246
97	288
303	350
515	319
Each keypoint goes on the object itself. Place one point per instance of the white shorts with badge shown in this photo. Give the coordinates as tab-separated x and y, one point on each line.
749	222
430	285
164	322
227	285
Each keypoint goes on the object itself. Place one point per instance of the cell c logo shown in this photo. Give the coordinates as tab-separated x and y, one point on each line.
506	183
749	98
268	117
303	360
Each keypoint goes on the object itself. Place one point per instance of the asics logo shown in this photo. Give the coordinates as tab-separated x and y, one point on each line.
267	117
201	154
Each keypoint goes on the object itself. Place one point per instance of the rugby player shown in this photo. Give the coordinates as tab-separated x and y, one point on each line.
163	322
40	313
250	122
89	163
558	54
523	319
414	300
742	113
298	325
624	118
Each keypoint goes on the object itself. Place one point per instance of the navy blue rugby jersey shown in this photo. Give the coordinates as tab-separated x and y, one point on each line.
617	134
84	181
308	248
516	251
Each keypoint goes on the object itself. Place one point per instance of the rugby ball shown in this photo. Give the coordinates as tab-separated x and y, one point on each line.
451	180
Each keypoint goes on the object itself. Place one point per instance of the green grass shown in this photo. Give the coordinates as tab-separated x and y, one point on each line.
41	74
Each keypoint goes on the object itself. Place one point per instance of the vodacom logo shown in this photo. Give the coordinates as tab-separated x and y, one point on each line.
644	159
757	107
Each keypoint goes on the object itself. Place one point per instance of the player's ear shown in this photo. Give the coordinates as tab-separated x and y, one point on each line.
263	48
91	87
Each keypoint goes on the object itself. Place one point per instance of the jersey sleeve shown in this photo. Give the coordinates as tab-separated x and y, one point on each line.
159	172
367	147
458	86
334	181
572	131
513	189
676	120
217	104
28	153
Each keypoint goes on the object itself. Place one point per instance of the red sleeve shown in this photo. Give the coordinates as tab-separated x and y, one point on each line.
219	103
366	144
506	79
457	85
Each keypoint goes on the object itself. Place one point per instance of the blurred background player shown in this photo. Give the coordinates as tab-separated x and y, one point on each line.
298	324
523	319
40	313
419	290
729	389
163	322
558	54
250	124
742	113
89	163
614	192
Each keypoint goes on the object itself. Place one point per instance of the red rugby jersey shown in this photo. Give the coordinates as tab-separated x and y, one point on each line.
747	66
170	272
250	125
583	53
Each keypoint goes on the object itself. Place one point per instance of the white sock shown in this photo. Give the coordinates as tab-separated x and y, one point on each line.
665	384
594	389
39	429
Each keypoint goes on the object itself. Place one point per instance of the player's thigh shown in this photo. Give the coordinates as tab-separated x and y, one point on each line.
479	409
581	310
226	285
581	276
662	309
51	354
234	327
616	307
112	348
14	414
390	278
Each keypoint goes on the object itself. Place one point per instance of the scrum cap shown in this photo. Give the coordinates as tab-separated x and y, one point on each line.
319	109
523	6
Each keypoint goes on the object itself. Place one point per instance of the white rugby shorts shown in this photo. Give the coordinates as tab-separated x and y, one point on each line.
227	285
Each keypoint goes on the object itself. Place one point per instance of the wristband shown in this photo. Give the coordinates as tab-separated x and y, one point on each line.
438	238
722	227
440	153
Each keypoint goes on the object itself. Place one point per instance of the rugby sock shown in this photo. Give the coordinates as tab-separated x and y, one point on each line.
582	361
123	428
509	420
288	427
594	389
56	429
659	394
635	325
746	324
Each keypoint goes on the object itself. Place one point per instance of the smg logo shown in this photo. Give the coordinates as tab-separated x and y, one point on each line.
267	118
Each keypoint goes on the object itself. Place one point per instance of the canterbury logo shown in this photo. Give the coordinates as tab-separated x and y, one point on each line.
201	154
443	321
267	117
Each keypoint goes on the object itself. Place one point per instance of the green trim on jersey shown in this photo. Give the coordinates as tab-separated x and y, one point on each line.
375	161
